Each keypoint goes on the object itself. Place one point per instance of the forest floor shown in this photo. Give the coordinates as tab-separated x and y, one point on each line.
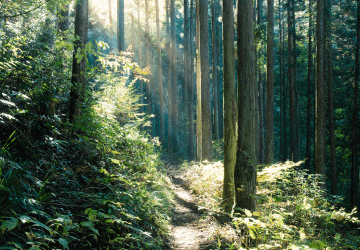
192	226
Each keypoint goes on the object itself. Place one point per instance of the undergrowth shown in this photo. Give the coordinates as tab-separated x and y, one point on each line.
95	184
292	212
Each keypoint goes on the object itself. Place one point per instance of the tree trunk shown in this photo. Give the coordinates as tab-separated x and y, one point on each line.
79	67
205	82
110	24
269	123
161	88
187	106
140	59
282	97
175	97
147	55
260	91
320	102
170	114
285	91
292	92
310	96
229	106
120	31
245	168
214	68
198	87
355	199
191	87
334	181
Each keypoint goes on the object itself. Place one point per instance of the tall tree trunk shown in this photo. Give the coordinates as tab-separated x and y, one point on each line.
110	24
205	82
187	106
260	90
198	87
214	68
355	199
310	96
282	97
79	68
229	106
334	180
170	114
147	55
175	106
191	86
269	123
140	59
121	23
291	49
161	88
285	91
320	102
245	168
133	34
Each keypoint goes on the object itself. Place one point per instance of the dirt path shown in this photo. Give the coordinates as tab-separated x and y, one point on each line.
191	228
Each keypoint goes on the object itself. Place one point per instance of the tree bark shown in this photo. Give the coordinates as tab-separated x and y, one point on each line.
140	59
229	106
292	82
161	88
260	91
175	97
170	114
214	68
282	97
334	181
310	96
269	123
191	87
355	199
320	102
205	82
198	87
245	168
187	106
121	23
78	80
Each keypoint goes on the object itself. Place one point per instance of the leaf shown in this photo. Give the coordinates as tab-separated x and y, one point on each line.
252	234
248	213
317	244
256	213
24	219
9	225
64	243
3	188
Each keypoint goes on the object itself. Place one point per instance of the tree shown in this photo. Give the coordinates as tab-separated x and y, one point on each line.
121	23
110	24
260	93
294	126
245	168
320	102
269	123
229	106
334	182
78	80
355	200
161	94
170	114
205	82
214	38
191	86
310	92
140	57
174	92
198	87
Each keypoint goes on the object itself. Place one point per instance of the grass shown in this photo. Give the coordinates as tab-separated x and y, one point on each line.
292	212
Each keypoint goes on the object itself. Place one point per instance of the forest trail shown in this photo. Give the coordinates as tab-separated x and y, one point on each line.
192	227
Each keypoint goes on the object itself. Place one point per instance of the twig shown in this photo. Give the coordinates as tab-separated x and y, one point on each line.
25	12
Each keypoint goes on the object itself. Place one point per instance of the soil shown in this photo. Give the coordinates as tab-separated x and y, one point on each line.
194	227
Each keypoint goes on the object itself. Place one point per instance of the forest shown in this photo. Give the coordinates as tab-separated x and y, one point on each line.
179	124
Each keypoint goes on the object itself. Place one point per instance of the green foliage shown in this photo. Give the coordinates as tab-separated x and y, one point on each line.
100	186
293	211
